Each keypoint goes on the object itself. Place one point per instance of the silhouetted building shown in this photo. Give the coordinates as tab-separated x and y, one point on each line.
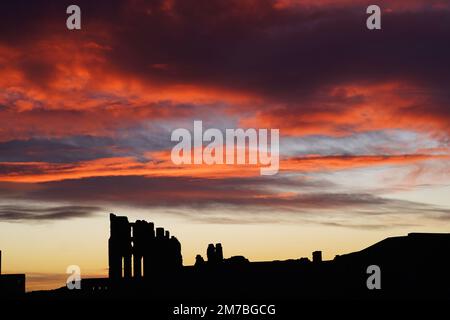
151	254
11	284
317	256
214	253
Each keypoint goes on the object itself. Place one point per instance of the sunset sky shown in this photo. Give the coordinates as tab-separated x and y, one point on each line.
86	118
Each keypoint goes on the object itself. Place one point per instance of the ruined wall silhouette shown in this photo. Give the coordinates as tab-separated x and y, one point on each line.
214	253
137	249
412	266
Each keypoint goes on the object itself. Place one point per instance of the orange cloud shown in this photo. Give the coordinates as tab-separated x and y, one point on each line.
161	165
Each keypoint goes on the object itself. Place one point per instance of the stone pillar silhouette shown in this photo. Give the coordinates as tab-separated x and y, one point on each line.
139	235
114	254
211	254
127	270
149	248
119	247
219	252
137	272
176	259
158	251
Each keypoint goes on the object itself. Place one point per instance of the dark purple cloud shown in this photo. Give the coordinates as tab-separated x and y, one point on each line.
283	53
22	213
196	197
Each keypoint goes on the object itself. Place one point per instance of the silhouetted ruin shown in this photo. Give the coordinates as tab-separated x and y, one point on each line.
136	251
146	263
214	253
317	256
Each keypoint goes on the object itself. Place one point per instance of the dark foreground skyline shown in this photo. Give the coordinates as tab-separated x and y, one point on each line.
145	263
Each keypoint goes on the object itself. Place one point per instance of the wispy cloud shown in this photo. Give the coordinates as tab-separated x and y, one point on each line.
20	213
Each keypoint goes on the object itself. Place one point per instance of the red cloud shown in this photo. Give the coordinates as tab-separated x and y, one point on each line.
161	165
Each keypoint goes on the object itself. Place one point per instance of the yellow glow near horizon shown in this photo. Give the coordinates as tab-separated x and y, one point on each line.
44	250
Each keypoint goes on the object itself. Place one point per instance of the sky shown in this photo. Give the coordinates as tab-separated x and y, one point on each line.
86	118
